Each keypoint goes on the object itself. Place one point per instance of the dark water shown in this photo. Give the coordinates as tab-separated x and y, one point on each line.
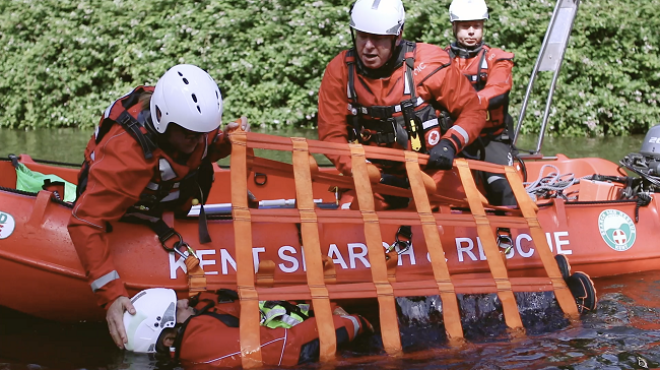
624	333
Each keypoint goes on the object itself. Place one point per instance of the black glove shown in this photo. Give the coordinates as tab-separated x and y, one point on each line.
399	182
441	156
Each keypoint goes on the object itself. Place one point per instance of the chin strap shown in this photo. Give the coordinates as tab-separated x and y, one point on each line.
457	50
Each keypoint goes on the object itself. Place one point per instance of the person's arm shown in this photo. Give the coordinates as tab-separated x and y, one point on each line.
500	82
221	146
454	92
333	108
116	179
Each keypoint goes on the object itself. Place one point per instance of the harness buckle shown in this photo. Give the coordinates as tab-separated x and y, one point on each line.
408	109
504	239
176	248
402	239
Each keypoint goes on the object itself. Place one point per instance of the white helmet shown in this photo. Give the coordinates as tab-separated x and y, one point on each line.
378	17
468	10
155	311
188	96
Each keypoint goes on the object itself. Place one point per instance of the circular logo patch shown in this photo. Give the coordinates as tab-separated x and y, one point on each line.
434	137
617	229
7	225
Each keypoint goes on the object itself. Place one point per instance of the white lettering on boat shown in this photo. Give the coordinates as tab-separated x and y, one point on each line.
292	258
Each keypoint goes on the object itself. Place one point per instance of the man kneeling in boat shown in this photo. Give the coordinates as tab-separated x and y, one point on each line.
391	92
152	151
490	72
205	329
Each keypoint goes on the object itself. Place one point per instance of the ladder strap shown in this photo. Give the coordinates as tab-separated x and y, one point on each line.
388	319
529	209
309	229
450	312
249	328
196	277
493	257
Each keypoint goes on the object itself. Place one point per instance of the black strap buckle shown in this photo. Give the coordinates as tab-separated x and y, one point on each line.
504	239
176	248
402	240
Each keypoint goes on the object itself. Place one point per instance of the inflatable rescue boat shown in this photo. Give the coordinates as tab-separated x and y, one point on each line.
305	242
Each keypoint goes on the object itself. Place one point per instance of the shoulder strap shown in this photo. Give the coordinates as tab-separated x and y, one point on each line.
129	123
481	84
350	63
409	88
229	320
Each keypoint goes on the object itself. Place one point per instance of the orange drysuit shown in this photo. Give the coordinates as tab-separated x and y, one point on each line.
212	337
490	72
369	108
118	179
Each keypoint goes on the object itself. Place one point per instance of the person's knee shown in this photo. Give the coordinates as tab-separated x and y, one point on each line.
499	191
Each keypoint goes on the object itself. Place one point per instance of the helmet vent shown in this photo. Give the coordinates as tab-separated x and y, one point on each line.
159	114
216	94
375	4
185	80
180	74
199	109
194	98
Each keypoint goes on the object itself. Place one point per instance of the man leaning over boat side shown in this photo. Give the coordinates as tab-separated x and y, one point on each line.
490	72
205	329
152	151
387	91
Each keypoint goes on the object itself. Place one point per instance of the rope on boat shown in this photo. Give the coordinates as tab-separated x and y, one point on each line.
553	184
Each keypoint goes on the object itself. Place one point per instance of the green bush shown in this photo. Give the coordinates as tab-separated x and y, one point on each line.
64	61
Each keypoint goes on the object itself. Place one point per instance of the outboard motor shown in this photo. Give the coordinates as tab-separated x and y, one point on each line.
646	163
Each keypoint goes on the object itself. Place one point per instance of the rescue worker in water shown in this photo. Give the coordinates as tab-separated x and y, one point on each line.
152	151
490	72
205	329
388	91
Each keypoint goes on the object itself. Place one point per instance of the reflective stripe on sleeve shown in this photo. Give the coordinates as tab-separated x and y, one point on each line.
463	133
103	280
356	324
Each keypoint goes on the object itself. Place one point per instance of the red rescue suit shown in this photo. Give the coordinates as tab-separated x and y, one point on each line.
212	336
380	102
125	172
490	72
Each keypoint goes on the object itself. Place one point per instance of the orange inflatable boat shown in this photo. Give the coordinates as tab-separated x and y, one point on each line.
600	233
303	242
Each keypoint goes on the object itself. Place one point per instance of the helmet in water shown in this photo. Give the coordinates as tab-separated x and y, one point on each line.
468	10
155	310
378	17
188	96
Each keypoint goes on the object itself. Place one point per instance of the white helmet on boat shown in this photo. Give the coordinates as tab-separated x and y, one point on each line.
155	310
188	96
378	17
468	10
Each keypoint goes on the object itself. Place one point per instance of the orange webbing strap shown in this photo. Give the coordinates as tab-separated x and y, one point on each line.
388	319
309	229
528	208
487	236
250	317
196	277
450	311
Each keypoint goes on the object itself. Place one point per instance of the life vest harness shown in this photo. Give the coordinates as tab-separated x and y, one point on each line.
157	195
479	78
382	126
274	314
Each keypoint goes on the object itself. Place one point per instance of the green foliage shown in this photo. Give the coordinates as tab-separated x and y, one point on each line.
64	61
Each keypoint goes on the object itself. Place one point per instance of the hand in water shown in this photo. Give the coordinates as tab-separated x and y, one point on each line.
115	319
